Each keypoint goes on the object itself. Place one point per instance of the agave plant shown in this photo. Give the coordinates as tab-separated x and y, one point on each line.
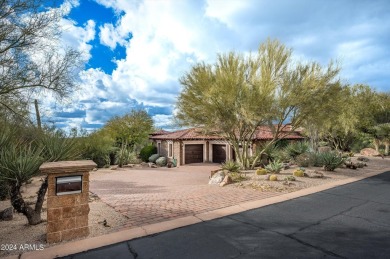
274	167
231	166
295	149
331	160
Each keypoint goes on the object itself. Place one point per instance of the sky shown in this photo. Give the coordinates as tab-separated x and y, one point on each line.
136	51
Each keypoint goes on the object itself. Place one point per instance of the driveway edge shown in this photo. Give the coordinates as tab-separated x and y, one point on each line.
129	234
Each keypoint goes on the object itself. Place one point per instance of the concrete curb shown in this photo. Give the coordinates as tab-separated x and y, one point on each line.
125	235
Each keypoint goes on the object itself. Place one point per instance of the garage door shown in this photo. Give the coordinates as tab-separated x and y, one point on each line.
193	153
219	153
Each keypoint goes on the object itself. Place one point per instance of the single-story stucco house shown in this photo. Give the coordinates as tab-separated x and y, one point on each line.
193	146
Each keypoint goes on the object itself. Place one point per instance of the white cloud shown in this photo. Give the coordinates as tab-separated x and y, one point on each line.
168	37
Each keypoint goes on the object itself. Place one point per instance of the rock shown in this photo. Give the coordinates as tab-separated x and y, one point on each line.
144	164
314	174
152	165
153	158
7	214
324	149
213	172
363	159
286	166
114	167
227	180
95	169
369	152
360	164
161	161
128	166
217	178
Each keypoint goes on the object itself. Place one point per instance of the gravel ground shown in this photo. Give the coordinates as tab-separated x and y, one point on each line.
18	232
258	182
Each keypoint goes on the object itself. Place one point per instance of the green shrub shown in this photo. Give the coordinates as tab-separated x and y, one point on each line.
133	159
261	171
122	156
289	178
299	173
274	167
153	158
98	146
331	160
295	149
231	166
147	151
304	160
161	161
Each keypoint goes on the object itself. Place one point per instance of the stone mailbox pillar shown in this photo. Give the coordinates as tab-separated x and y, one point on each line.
67	199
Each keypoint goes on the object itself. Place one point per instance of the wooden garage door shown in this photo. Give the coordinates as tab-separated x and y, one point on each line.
193	153
219	153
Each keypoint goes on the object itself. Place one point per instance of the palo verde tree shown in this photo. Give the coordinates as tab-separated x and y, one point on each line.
237	94
31	59
131	129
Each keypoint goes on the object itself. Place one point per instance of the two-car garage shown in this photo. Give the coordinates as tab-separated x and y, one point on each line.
194	153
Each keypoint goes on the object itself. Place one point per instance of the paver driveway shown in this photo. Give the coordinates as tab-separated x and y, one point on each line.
147	196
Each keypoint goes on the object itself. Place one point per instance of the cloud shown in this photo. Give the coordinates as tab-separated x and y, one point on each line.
163	39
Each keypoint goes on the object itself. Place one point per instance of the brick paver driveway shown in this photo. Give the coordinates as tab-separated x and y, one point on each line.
146	195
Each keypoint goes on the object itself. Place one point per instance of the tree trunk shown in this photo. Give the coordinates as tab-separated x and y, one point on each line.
33	215
39	124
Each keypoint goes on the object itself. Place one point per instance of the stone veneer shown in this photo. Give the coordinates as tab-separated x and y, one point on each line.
67	215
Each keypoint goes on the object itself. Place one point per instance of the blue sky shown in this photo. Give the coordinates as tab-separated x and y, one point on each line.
135	51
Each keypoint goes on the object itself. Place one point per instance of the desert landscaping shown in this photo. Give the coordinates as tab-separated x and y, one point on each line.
105	218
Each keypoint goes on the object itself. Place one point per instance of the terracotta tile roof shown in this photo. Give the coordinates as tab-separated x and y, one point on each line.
187	134
262	133
160	132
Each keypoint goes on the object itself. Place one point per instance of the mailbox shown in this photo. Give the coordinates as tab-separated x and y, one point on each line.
69	184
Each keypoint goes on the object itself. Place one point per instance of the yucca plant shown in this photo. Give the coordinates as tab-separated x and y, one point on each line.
331	160
56	146
274	167
18	163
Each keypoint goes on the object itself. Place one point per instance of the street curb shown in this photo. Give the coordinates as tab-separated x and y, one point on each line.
129	234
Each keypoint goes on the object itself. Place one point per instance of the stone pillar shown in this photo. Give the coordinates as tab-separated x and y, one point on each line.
67	199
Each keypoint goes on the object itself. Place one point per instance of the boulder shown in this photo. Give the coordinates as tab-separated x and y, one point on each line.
7	214
213	172
114	167
161	161
369	152
363	159
217	178
227	180
314	174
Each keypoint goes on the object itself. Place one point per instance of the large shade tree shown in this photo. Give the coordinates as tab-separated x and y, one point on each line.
236	94
31	57
32	61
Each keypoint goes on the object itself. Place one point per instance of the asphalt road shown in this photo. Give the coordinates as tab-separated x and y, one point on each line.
350	221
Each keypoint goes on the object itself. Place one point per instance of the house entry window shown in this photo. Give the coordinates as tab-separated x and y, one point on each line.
159	148
170	150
